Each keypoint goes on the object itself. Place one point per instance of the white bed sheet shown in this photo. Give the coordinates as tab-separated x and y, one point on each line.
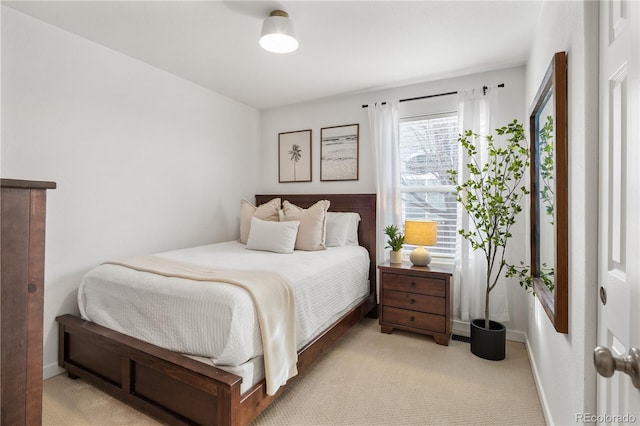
217	321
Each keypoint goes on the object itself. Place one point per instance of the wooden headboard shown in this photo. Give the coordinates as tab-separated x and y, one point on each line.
364	204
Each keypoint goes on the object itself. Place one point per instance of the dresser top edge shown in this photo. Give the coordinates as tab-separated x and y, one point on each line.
26	184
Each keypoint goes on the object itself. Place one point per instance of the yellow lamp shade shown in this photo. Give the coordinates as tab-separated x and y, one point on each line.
420	233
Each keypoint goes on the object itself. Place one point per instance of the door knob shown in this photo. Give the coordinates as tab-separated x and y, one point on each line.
606	364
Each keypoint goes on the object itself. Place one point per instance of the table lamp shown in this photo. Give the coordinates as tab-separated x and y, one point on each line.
420	233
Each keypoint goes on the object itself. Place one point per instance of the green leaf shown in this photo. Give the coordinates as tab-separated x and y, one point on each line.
492	196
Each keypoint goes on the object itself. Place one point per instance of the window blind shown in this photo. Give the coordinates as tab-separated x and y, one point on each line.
428	148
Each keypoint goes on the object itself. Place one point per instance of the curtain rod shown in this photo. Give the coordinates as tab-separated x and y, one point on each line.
484	92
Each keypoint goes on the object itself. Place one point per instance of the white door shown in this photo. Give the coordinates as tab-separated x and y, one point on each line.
619	211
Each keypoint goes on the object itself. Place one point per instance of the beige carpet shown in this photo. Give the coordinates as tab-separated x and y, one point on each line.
369	378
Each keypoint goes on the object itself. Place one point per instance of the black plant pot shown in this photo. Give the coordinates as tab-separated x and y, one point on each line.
488	343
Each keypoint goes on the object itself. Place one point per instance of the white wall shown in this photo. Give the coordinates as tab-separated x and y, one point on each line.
563	362
348	110
144	161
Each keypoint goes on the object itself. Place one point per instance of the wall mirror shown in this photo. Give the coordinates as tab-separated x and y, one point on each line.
549	194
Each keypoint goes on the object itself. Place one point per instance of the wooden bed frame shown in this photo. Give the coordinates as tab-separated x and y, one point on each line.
176	389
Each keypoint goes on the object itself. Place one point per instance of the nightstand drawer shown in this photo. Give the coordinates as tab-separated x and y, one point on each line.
415	302
428	286
435	323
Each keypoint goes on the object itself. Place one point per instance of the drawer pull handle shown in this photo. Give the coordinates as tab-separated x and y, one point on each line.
413	301
412	319
413	284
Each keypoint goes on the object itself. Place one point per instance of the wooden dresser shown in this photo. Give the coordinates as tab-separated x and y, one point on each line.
21	300
416	299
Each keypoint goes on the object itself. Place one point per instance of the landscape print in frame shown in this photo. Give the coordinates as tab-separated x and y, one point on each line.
294	152
339	152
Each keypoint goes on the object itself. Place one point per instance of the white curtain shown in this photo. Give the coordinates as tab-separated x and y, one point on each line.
384	125
475	113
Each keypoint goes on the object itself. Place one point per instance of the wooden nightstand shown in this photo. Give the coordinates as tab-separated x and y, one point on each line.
417	299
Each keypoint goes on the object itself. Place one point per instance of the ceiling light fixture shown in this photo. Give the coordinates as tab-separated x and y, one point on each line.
278	35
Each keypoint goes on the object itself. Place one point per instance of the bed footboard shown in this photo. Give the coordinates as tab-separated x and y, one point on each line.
169	386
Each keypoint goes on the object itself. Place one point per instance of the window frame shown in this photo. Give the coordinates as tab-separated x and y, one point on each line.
450	254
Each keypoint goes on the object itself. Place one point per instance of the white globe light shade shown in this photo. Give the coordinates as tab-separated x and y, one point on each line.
278	35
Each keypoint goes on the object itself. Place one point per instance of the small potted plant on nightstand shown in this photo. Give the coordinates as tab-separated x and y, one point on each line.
395	243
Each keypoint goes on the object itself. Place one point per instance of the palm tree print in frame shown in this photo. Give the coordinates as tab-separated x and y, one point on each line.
294	151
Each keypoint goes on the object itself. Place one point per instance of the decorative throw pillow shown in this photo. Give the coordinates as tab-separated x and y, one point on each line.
342	229
313	222
269	211
278	237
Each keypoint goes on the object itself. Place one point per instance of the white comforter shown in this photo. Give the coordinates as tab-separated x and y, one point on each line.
218	320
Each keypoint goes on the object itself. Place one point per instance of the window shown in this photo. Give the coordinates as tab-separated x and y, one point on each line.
428	148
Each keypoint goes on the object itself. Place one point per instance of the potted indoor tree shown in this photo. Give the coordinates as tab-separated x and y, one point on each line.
395	243
492	195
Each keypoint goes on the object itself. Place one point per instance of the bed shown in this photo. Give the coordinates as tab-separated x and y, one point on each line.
179	389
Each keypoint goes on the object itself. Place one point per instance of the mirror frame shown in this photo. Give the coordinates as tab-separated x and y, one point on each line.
556	302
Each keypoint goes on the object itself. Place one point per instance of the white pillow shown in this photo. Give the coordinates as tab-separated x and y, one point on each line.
313	224
267	211
342	229
337	229
278	237
352	235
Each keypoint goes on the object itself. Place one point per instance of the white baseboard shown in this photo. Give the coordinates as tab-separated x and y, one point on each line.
51	370
461	328
536	379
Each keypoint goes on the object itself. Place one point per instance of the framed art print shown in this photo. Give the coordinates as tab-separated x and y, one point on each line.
294	156
339	152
